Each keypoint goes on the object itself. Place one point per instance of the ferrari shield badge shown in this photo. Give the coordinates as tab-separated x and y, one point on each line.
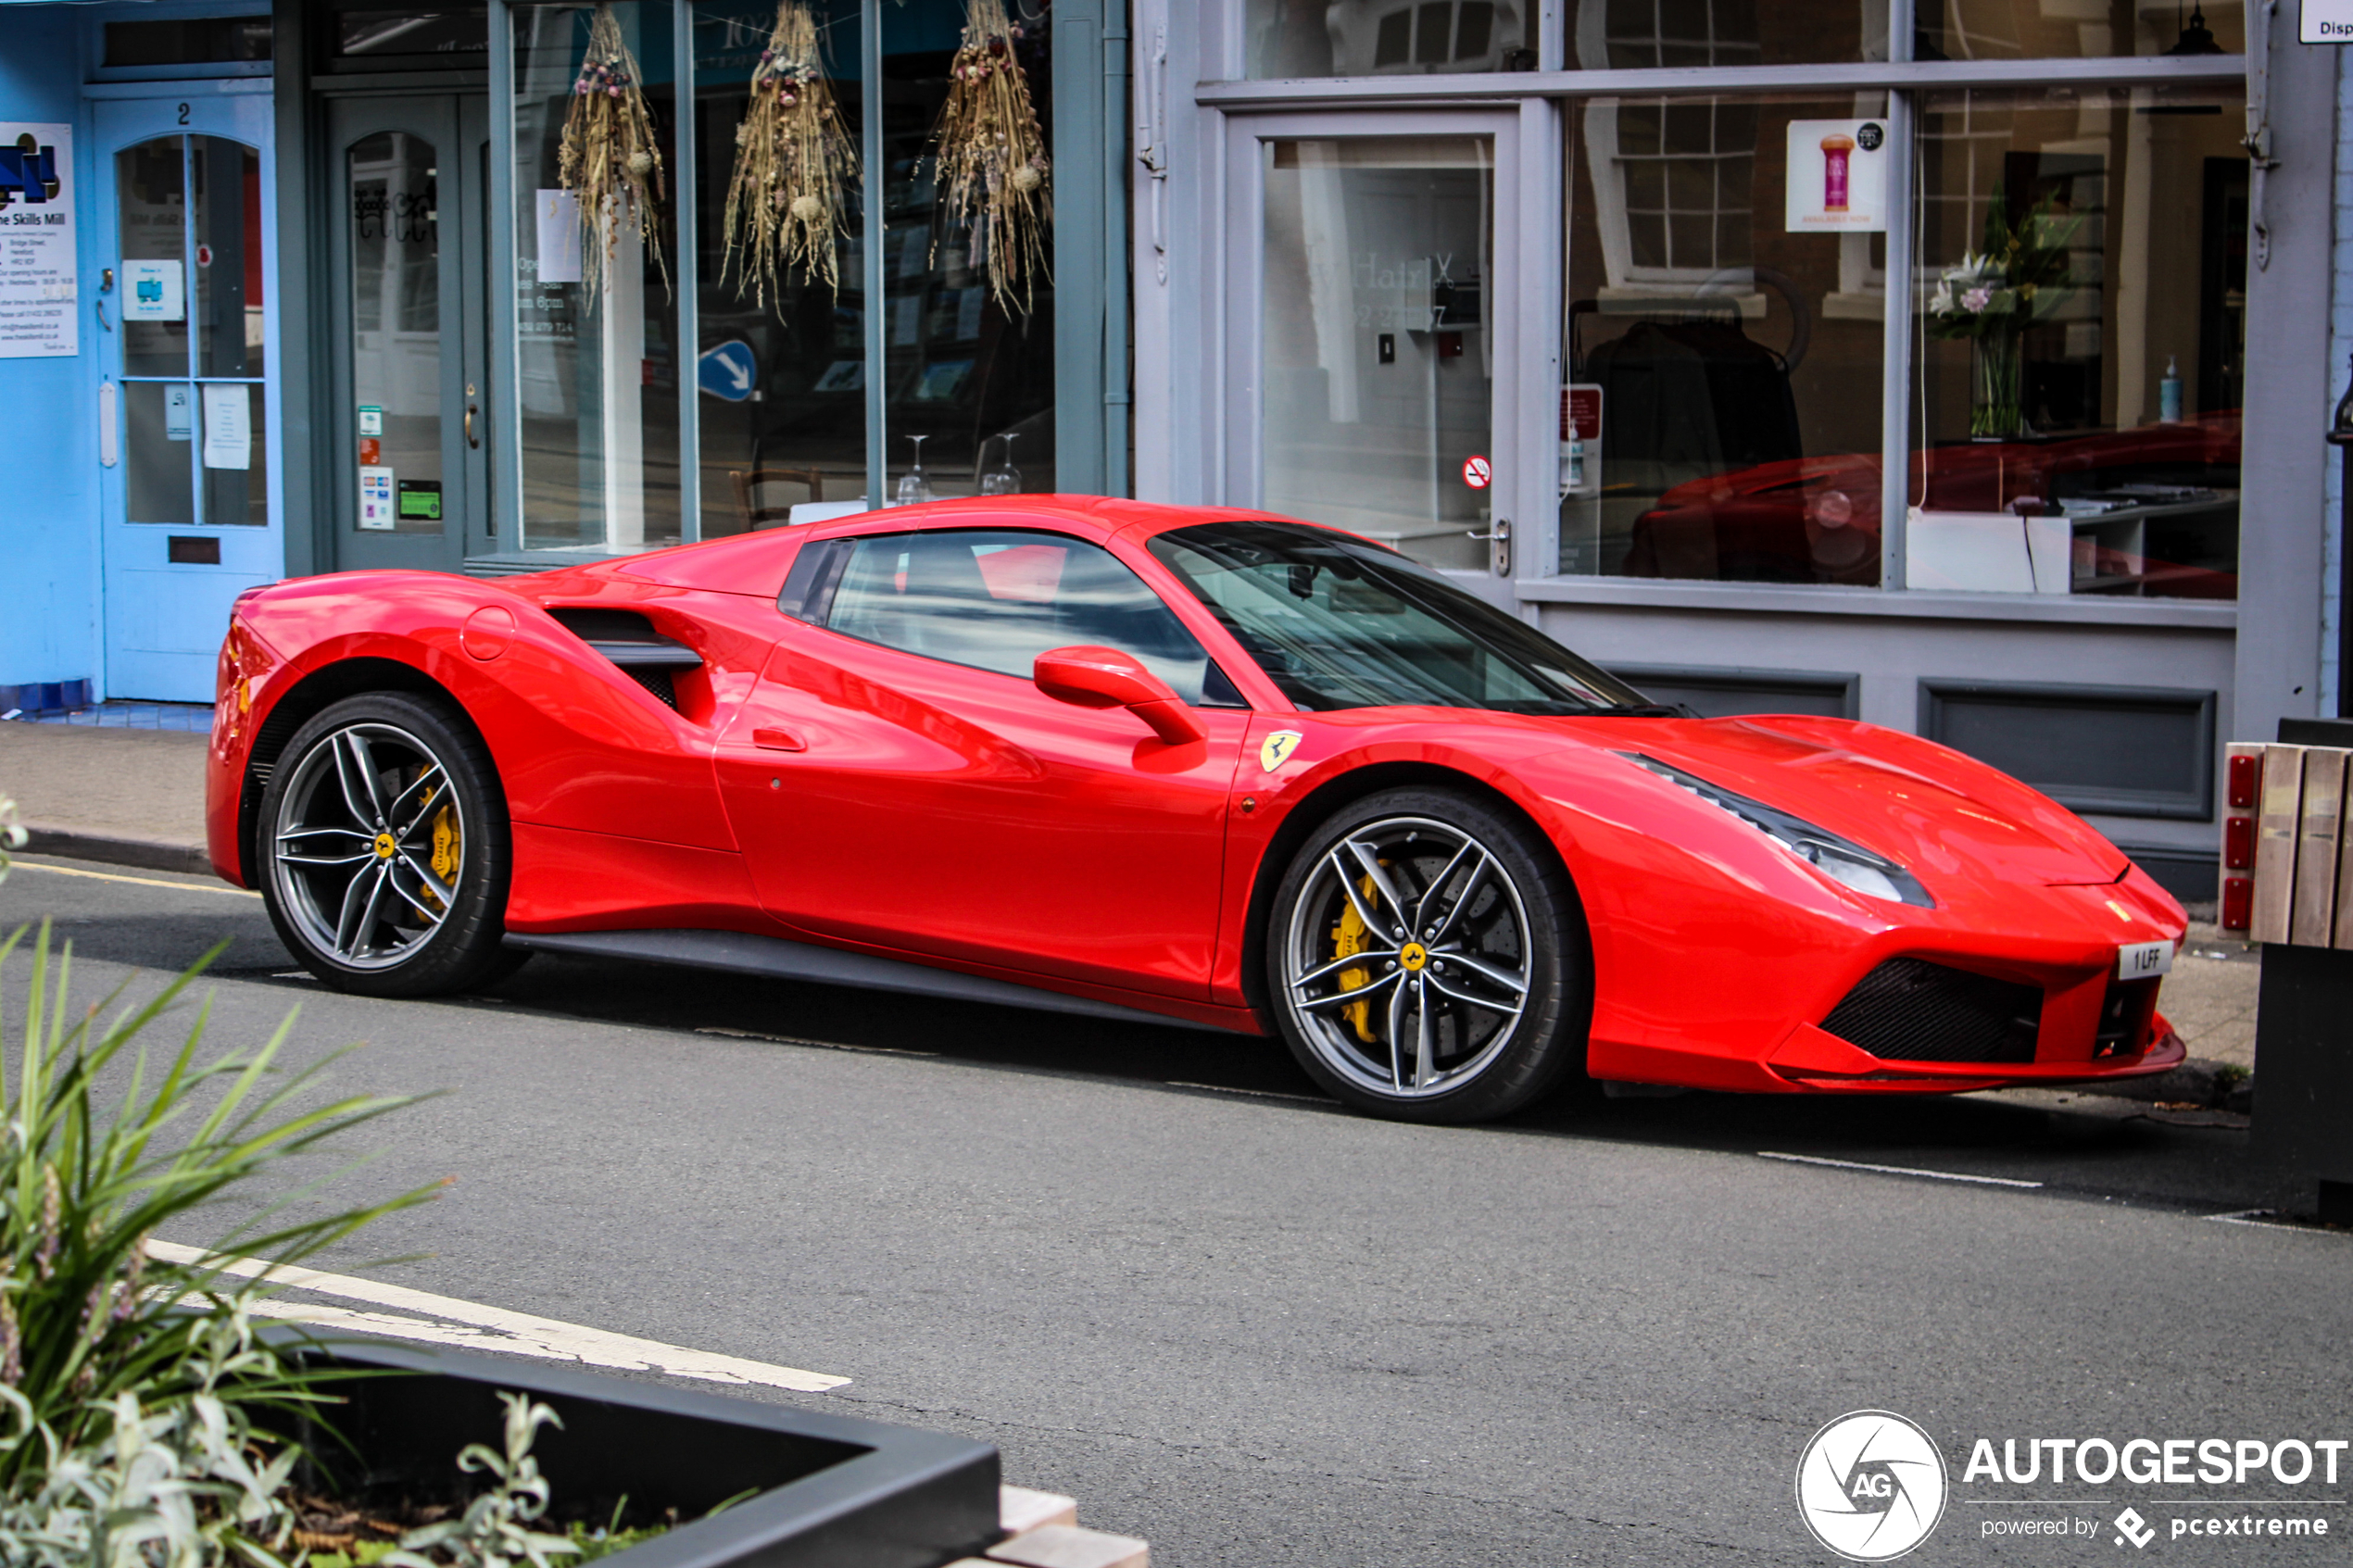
1275	749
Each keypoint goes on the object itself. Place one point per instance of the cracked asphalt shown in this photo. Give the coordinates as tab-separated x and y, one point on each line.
1258	1331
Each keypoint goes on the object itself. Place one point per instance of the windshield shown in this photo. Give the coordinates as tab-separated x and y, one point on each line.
1337	622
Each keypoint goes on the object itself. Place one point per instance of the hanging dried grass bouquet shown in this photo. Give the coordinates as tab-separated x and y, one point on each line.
610	160
794	161
992	154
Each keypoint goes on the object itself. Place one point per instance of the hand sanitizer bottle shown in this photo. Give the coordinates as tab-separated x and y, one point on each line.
2169	393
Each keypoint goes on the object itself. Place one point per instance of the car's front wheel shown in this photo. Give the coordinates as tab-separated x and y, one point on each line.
384	849
1428	959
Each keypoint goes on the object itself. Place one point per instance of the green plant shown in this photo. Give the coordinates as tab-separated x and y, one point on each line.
139	1403
494	1531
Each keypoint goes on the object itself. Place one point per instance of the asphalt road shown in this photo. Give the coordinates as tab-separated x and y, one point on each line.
1258	1331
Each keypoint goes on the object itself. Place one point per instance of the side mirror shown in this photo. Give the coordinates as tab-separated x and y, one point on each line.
1099	677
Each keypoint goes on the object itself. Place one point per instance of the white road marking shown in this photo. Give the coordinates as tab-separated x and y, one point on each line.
2262	1218
443	1320
1896	1170
22	865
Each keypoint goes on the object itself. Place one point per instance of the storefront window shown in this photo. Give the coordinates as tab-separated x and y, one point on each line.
1652	34
2081	349
1289	38
1727	292
1378	365
597	362
2010	29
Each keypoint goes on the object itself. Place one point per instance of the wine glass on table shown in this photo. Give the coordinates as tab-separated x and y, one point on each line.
1005	479
914	487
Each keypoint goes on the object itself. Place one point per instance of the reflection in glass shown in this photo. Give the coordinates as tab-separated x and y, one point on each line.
395	329
160	425
231	340
2009	30
598	375
1310	38
151	183
2086	439
1724	338
1378	366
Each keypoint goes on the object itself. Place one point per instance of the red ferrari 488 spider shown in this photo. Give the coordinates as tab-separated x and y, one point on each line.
1154	763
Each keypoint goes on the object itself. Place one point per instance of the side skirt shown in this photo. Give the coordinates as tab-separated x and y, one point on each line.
740	953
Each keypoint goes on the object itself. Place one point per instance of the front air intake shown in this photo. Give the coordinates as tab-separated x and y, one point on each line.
1909	1010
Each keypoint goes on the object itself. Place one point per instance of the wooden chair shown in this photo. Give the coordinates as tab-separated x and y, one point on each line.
762	509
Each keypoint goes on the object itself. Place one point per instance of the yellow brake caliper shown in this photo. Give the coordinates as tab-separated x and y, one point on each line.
444	847
1348	938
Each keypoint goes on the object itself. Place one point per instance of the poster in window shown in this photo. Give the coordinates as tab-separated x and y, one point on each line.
1837	176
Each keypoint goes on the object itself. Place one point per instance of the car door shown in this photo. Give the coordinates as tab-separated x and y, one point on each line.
896	779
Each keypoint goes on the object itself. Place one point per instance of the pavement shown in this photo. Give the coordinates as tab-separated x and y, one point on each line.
1168	1278
124	784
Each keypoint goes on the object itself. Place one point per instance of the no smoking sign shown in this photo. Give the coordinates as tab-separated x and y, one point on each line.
1478	473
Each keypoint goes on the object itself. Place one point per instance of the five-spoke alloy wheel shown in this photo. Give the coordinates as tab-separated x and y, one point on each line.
1427	958
383	848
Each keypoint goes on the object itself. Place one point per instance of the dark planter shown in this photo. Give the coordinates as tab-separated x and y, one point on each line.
834	1491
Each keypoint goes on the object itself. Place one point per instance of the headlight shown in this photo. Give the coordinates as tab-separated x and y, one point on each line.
1842	861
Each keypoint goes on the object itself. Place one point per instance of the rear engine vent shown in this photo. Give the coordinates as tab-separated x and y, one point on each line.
1909	1010
629	640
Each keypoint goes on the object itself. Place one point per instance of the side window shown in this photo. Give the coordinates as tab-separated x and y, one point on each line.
997	599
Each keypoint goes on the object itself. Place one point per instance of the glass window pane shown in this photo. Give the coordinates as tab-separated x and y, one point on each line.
2004	30
1724	353
1294	38
188	41
229	336
373	40
151	214
598	366
236	495
998	600
2080	390
1378	377
159	428
396	328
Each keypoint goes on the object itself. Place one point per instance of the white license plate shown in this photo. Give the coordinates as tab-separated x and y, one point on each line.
2143	961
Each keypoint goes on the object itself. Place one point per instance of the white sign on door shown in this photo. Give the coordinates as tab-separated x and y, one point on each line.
2325	21
153	291
1837	176
179	414
228	427
376	498
38	315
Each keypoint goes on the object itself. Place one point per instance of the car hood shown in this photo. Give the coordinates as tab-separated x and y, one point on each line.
1938	812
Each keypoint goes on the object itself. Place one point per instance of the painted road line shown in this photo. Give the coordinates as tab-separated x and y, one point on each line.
2269	1220
24	865
443	1320
1895	1169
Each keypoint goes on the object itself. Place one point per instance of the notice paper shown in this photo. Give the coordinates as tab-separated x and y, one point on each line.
228	427
38	318
153	291
376	498
559	214
179	414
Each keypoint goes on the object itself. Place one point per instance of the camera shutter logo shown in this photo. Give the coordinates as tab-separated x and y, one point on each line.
1870	1486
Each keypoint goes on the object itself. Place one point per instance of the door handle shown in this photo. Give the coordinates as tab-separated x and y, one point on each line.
471	439
777	740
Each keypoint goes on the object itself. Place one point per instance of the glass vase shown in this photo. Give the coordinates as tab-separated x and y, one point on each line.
1994	365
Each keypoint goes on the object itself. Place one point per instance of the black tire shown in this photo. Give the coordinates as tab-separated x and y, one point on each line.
381	881
1504	911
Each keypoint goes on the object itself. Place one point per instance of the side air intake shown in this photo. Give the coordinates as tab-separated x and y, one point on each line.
629	640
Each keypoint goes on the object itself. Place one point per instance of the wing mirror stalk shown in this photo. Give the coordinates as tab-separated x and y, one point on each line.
1099	677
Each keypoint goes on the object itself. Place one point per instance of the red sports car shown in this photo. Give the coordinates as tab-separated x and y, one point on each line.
1155	762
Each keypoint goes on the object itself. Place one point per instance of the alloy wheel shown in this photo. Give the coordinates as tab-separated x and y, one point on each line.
1405	962
368	849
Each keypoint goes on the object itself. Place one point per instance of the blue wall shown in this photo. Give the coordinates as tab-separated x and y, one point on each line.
49	509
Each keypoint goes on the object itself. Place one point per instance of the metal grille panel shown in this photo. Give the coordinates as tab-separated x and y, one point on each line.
1910	1009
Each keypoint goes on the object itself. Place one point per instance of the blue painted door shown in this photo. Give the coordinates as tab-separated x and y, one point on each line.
188	408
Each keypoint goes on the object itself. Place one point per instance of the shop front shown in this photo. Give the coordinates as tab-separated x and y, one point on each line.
1953	366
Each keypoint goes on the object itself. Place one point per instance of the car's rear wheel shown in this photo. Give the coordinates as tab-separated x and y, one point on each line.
384	850
1428	960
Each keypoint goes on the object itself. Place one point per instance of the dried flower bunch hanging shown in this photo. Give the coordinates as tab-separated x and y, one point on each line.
793	165
992	164
610	160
